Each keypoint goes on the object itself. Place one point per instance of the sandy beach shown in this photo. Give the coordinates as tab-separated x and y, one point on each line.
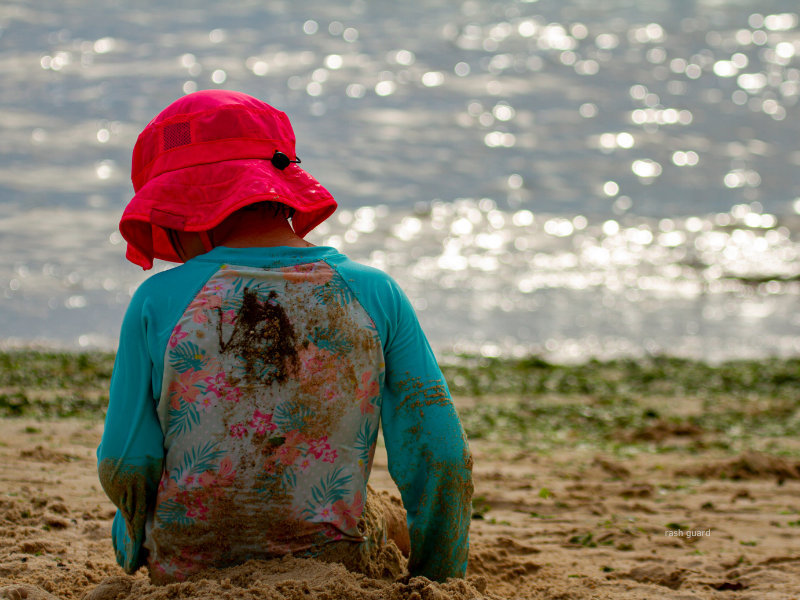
680	522
593	208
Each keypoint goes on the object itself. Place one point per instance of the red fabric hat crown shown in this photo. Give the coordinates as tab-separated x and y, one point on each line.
202	158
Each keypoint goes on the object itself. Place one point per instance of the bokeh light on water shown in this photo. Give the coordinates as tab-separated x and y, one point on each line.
540	176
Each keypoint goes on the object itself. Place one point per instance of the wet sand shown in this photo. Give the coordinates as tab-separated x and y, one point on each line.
567	524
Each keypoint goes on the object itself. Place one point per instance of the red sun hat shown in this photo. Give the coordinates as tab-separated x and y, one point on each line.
206	156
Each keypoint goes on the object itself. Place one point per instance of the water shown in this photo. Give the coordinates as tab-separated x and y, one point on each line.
478	152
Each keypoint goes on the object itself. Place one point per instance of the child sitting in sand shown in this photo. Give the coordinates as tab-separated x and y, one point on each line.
250	381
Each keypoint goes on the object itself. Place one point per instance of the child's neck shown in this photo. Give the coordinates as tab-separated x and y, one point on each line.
264	234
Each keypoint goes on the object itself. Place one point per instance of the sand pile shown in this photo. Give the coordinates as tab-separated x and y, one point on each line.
505	560
42	454
47	548
663	430
47	551
574	524
654	573
291	578
24	592
749	465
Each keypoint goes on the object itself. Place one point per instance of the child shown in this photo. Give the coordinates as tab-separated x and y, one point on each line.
250	381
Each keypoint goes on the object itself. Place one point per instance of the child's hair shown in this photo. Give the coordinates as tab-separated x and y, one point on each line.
277	208
270	205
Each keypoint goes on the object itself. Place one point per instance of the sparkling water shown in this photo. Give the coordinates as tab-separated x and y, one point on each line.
569	178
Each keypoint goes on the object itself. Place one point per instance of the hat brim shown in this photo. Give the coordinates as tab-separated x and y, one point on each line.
198	198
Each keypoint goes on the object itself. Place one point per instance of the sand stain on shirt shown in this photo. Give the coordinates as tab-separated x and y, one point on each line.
264	338
417	393
132	489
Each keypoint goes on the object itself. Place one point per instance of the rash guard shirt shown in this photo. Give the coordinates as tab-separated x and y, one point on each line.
244	408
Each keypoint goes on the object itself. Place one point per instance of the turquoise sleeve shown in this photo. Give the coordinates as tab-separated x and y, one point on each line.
130	456
429	458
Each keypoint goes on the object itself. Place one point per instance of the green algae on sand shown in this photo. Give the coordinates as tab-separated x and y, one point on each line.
654	400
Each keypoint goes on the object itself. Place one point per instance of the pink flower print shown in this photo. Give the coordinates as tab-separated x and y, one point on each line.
211	365
232	394
365	393
198	511
229	317
314	364
320	362
188	480
324	514
226	469
306	464
319	369
185	388
334	534
331	394
238	430
331	456
203	303
167	488
188	563
223	476
262	422
217	287
206	402
314	273
215	382
288	454
366	407
207	479
318	447
348	514
177	335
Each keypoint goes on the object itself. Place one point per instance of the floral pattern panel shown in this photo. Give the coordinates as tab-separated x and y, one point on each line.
270	409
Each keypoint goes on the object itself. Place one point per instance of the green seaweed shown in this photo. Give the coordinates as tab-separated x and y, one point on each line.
522	402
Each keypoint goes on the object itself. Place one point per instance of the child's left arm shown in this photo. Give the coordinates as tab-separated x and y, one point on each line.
131	454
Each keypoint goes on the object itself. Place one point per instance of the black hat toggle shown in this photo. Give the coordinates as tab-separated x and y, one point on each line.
280	161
